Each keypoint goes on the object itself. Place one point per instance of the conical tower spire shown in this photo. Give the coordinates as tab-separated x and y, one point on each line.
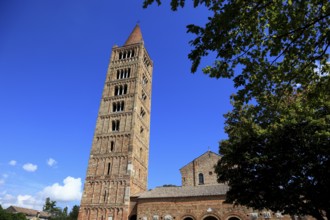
135	36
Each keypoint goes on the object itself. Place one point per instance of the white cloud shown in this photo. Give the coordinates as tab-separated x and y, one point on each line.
12	162
7	200
51	162
69	191
26	201
30	167
2	180
29	201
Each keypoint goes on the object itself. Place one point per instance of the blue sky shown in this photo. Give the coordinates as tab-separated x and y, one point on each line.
53	61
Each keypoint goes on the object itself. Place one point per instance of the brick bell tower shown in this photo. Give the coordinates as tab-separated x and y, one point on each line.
118	162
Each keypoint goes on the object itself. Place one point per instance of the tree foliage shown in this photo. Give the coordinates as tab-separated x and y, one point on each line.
277	54
11	216
60	214
265	46
73	215
279	160
50	207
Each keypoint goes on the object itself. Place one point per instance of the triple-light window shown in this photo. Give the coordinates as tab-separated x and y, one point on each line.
120	90
118	106
123	73
115	125
126	54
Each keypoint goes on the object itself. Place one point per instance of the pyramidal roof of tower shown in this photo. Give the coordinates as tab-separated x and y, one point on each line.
135	36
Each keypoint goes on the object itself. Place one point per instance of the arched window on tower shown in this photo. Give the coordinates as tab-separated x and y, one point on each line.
121	90
116	90
144	80
109	168
104	197
114	107
123	73
142	112
115	125
122	105
128	73
143	95
126	54
146	61
118	106
112	146
200	179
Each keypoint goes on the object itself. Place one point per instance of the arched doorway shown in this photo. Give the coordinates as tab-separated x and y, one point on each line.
210	218
188	218
133	217
233	218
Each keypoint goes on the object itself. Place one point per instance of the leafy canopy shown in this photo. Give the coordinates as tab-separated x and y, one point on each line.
57	213
4	215
264	46
277	53
279	159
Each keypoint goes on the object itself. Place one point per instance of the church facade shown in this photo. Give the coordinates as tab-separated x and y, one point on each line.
115	187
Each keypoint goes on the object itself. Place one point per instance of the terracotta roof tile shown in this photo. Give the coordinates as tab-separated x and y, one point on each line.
26	211
186	191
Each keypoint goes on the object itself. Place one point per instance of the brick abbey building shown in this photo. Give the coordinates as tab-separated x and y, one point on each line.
116	181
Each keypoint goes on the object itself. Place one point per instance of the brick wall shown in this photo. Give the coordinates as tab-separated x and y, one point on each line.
203	165
194	207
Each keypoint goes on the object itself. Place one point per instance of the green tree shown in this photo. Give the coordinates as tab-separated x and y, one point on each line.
277	53
60	214
57	213
18	216
50	207
65	212
73	215
4	215
278	158
266	47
